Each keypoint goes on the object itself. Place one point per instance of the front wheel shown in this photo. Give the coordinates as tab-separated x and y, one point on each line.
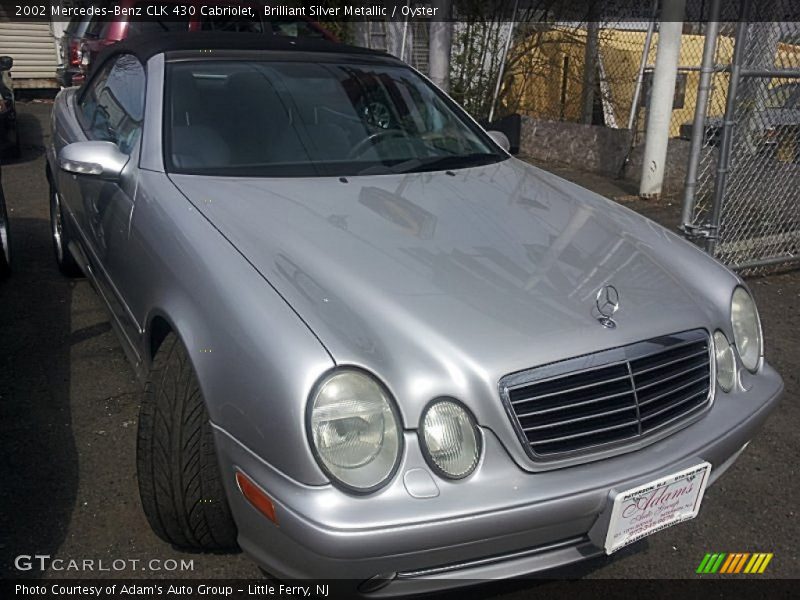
66	262
5	240
179	478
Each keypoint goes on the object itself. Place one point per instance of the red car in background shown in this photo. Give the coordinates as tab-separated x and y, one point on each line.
69	50
104	32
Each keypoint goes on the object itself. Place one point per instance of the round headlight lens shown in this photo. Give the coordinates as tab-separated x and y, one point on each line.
354	430
726	362
450	439
746	328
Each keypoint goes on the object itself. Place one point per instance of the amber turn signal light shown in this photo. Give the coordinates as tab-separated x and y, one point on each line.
256	496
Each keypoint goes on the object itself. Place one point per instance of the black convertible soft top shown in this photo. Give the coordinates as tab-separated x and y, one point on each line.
148	45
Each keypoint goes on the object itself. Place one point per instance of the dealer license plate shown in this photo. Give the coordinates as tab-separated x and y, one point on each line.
654	506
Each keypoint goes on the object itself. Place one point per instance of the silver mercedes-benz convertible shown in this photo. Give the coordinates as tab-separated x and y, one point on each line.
373	345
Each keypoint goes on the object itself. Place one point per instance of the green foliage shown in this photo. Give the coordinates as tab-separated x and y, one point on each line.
477	51
479	38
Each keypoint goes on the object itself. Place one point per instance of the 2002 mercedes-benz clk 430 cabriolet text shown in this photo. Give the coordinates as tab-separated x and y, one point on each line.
374	345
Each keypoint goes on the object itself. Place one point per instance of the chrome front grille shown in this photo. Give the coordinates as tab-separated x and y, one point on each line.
609	398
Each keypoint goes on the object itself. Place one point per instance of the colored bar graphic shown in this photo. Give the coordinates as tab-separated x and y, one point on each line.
734	563
703	563
710	564
764	564
728	563
741	563
754	563
718	563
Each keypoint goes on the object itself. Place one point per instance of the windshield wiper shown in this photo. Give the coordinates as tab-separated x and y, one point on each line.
456	161
433	163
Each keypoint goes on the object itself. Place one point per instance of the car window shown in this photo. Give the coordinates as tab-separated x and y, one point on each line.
72	26
77	26
307	118
90	26
112	108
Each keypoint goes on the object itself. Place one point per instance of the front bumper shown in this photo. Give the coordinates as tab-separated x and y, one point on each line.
500	522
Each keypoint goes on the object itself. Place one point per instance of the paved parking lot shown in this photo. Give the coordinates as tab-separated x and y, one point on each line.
68	415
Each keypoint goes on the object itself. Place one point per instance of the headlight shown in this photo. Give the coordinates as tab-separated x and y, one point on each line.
354	430
450	439
725	360
746	328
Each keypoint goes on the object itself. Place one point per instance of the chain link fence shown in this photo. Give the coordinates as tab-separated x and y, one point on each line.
744	205
557	70
577	72
597	73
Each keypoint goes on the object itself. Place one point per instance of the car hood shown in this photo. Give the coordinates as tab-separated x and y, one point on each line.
441	283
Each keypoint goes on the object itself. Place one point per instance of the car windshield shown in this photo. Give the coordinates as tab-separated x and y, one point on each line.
295	119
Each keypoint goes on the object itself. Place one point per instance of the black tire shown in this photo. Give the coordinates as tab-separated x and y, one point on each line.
179	479
58	232
5	240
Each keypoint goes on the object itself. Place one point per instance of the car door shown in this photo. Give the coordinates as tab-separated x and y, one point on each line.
111	109
67	129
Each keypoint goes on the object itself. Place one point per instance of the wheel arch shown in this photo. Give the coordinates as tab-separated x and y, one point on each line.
158	325
158	328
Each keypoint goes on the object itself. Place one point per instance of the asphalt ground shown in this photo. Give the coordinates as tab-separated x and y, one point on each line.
68	417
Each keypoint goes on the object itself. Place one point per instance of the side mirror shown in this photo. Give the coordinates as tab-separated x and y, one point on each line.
101	159
6	62
500	139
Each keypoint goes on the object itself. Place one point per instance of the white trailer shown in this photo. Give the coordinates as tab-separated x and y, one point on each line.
33	47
